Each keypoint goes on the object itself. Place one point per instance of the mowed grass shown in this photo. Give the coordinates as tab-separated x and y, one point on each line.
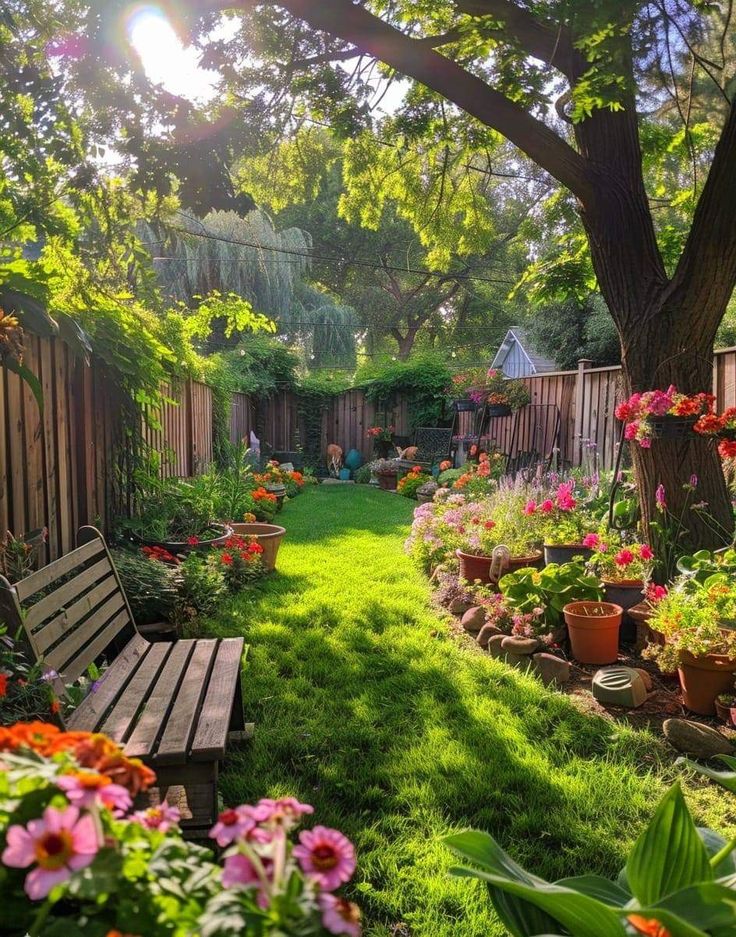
368	707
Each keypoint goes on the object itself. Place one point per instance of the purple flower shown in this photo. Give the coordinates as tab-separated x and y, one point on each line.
660	497
694	480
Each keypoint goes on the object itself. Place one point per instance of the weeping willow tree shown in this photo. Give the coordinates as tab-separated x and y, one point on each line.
247	256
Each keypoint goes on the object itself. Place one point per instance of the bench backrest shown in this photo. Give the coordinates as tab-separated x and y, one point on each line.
72	610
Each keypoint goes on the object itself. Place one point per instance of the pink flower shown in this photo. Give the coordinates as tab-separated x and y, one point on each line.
645	552
655	593
624	557
326	855
529	508
61	843
240	823
87	788
660	497
631	430
239	870
160	818
192	541
591	541
645	442
285	812
546	506
340	916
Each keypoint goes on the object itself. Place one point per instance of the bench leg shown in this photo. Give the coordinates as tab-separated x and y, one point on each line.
193	789
237	717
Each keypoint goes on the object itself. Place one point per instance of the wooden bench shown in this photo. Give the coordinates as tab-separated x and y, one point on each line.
170	704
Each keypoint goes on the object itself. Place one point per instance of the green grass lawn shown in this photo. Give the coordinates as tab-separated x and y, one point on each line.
368	707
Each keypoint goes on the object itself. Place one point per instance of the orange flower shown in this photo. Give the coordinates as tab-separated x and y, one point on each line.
708	424
648	926
37	736
727	449
55	706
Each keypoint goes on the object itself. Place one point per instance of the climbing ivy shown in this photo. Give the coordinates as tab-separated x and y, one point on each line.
424	380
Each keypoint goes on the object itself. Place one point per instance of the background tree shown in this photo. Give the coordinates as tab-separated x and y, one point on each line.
501	63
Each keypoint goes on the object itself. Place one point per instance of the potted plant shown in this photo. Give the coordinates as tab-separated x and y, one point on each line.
698	622
488	548
662	414
550	590
593	628
726	707
273	480
383	439
269	536
625	569
503	395
566	524
386	471
410	484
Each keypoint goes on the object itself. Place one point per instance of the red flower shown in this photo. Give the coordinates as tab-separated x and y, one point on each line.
489	525
192	541
55	706
226	559
645	552
3	684
709	423
727	449
624	557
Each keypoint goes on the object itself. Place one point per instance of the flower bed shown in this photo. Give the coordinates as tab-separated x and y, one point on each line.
78	859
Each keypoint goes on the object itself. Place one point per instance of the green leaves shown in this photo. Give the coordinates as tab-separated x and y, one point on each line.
669	854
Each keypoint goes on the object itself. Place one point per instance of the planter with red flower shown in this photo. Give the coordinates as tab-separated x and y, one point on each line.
662	414
698	622
478	387
383	440
240	561
565	522
722	427
488	548
269	536
625	569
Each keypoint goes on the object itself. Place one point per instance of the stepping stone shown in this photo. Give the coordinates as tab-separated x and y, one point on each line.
474	619
619	686
694	738
520	646
486	633
551	669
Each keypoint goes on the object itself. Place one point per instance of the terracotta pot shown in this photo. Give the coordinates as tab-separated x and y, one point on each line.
268	535
725	713
626	593
593	628
564	552
387	482
474	566
176	547
704	678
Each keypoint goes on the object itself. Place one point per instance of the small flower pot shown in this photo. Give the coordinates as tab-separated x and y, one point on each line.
175	547
672	427
268	535
387	482
564	552
593	629
465	406
704	678
725	713
498	409
626	593
280	492
476	567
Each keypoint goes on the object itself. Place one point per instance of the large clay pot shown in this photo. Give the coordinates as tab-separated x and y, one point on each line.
387	482
704	678
268	535
626	593
475	567
593	629
564	552
175	547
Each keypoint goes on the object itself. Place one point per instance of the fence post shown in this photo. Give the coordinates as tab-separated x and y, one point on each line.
584	364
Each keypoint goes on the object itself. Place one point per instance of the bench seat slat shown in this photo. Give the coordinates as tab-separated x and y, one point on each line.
152	720
83	640
67	593
174	745
90	712
121	720
65	564
210	736
66	620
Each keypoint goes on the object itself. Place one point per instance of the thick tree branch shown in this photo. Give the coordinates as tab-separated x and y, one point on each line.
411	57
545	40
711	243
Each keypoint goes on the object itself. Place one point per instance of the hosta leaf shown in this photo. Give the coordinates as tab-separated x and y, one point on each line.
696	911
726	779
595	886
668	855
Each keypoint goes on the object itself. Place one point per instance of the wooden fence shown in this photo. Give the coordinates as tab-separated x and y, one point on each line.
70	464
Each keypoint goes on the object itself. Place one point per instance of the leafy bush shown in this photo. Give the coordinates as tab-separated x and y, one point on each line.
202	586
412	482
363	475
550	589
152	587
423	379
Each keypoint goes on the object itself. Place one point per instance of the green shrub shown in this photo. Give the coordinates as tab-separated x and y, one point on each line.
362	475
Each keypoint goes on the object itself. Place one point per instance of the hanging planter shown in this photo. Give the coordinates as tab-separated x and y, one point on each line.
465	406
498	409
672	427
